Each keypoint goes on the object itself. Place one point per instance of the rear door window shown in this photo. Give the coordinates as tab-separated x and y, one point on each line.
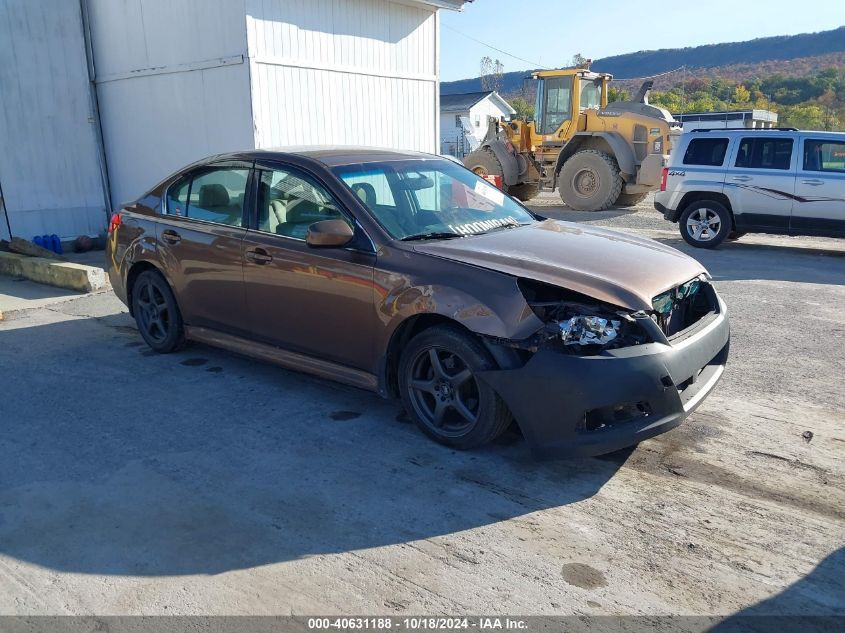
764	153
177	196
217	195
706	151
822	155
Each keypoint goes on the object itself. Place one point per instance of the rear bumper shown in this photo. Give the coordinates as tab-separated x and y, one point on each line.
570	406
667	213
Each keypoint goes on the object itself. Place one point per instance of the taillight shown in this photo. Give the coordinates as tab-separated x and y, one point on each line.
663	178
114	222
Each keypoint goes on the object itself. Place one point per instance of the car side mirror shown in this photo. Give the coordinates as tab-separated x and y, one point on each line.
328	233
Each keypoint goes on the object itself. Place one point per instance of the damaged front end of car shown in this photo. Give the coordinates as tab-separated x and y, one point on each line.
597	377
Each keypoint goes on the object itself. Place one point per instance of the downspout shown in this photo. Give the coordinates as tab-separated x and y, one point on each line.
5	212
94	106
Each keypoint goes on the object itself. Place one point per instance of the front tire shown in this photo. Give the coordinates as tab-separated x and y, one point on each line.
590	181
156	313
440	390
705	224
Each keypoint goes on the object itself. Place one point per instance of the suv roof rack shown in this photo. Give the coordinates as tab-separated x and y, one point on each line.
746	129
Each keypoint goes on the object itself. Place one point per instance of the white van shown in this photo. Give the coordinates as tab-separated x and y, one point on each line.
725	183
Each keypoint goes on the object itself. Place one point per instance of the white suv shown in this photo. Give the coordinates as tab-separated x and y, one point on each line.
725	183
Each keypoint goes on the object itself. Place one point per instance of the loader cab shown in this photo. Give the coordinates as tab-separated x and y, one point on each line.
558	91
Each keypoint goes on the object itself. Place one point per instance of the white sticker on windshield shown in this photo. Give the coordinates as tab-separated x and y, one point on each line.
490	192
482	226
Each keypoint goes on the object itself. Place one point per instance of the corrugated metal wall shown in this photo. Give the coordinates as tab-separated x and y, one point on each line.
49	160
178	80
343	72
173	85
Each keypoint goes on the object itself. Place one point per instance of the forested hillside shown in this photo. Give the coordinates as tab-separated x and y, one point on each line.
803	80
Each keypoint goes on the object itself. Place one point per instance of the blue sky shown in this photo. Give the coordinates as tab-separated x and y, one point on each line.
536	30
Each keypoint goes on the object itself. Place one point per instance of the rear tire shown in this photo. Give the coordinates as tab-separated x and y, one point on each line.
629	199
590	181
156	313
441	393
524	192
705	224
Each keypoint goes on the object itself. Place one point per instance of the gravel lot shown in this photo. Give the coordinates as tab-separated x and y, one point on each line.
205	483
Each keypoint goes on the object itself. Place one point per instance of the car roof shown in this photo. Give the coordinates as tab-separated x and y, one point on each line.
704	133
328	155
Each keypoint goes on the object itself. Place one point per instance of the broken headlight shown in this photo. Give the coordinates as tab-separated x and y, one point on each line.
588	330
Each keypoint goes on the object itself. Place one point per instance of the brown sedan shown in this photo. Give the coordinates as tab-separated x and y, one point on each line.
406	274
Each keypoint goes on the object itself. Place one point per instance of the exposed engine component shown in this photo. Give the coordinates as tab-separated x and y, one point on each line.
588	330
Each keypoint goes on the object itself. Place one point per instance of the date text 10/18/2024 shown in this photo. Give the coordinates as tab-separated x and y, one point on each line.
417	624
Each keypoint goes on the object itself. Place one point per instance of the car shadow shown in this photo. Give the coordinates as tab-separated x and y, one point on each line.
814	603
115	460
736	261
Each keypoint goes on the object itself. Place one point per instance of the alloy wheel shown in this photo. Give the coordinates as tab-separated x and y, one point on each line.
444	391
153	312
704	224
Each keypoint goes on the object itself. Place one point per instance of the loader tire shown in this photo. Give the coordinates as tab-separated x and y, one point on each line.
525	191
590	181
484	163
629	199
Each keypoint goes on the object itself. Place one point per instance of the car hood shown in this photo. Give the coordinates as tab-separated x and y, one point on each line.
613	267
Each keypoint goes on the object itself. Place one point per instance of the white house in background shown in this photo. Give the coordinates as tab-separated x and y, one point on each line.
106	98
464	117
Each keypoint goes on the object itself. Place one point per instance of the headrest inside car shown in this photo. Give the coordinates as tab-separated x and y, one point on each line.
213	195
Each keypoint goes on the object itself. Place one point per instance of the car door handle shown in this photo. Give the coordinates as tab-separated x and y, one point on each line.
814	182
259	256
742	178
171	237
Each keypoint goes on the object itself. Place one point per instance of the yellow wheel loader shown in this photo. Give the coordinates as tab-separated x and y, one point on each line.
597	155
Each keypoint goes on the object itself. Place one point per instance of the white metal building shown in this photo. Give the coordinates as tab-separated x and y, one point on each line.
176	80
464	117
732	118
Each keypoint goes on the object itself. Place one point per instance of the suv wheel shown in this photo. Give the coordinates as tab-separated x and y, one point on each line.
440	390
705	224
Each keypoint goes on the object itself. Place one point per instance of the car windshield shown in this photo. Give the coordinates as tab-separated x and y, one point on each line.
431	199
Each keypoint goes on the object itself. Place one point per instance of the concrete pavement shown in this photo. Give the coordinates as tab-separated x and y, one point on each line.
205	483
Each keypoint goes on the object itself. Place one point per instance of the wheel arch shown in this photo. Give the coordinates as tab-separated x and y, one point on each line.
416	324
134	272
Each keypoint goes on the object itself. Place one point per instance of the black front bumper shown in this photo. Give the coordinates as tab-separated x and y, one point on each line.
570	405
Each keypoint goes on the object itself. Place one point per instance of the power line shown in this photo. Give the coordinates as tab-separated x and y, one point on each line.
490	46
668	72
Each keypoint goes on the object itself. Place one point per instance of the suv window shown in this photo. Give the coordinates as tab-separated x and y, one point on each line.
822	155
289	202
706	151
765	153
217	195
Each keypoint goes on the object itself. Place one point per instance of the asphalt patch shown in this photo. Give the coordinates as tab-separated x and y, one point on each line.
344	415
583	576
194	362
